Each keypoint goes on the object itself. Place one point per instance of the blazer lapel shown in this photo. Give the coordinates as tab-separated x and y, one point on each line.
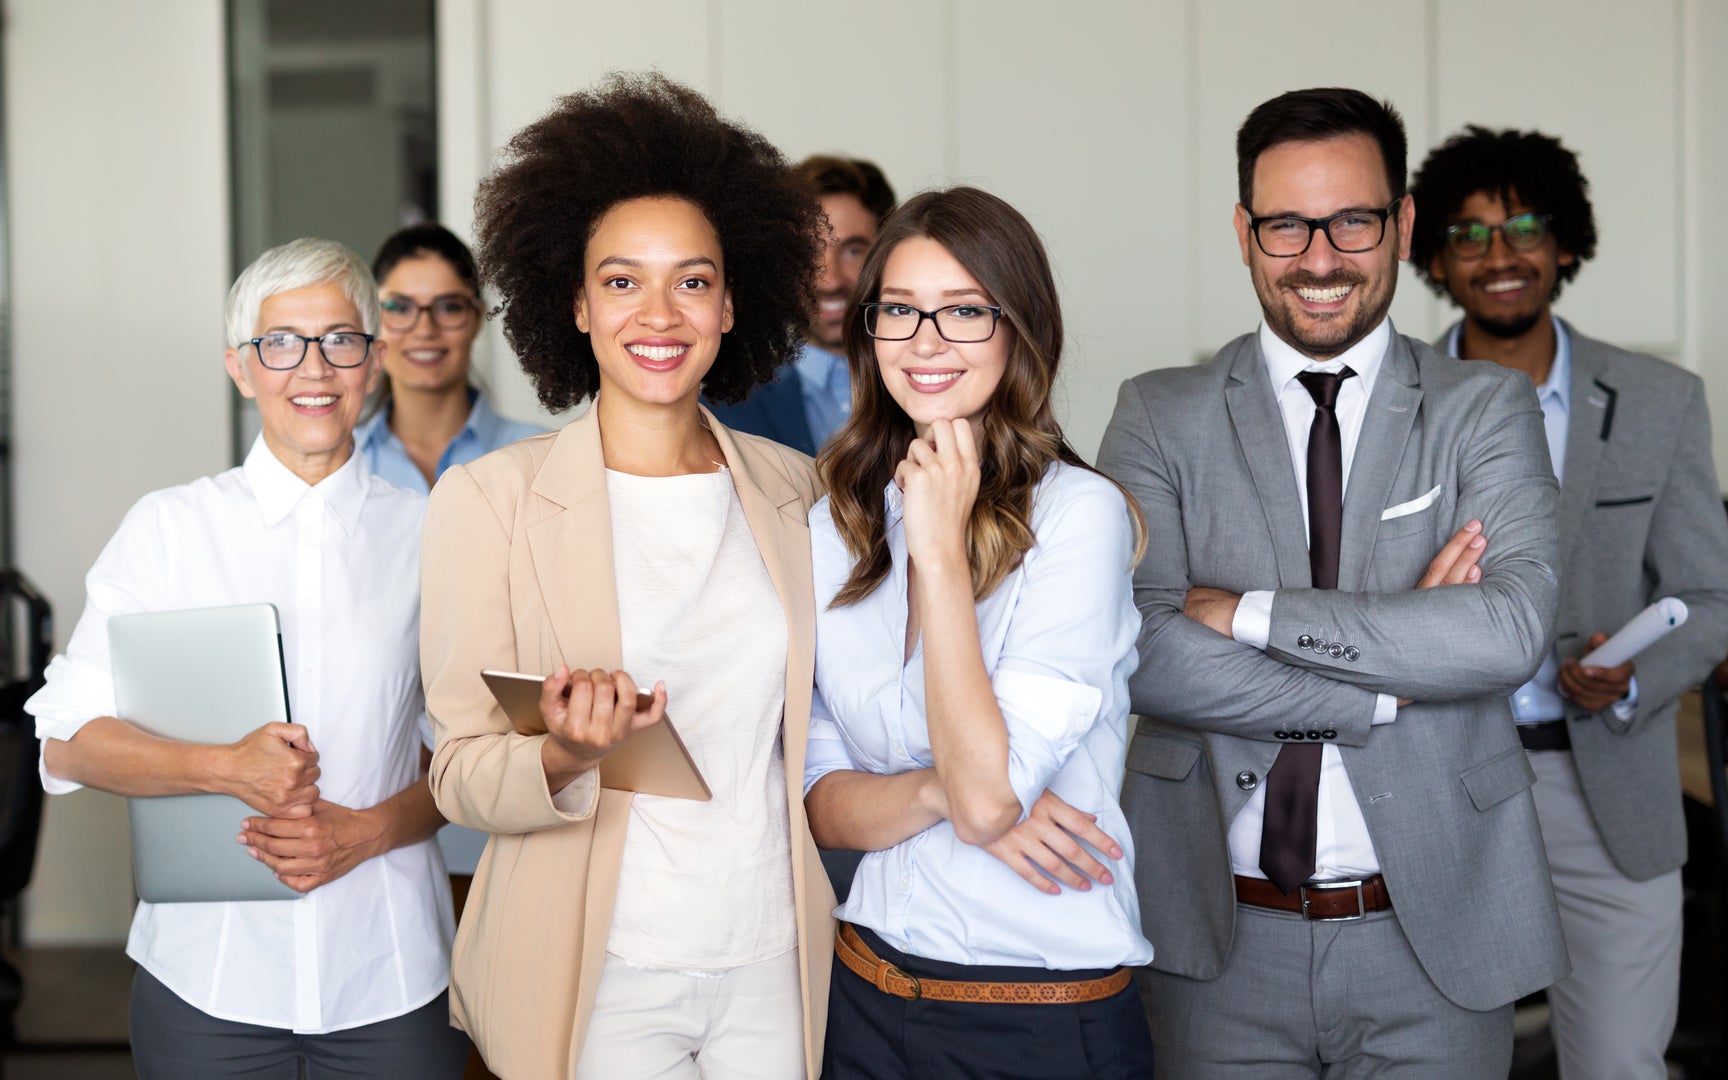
1590	414
572	548
1260	433
1379	451
775	513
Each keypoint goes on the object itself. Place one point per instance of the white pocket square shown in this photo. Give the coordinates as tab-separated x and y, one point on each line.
1405	509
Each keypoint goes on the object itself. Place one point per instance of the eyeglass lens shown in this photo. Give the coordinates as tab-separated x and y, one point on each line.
959	323
1522	232
282	351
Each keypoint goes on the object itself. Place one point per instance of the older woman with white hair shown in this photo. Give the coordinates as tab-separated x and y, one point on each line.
351	979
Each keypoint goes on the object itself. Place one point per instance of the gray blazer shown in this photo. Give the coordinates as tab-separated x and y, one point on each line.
1445	788
1640	518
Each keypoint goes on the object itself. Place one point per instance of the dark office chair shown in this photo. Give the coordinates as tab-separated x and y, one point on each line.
26	643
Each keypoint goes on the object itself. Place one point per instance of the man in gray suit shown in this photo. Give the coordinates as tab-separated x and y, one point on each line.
1339	864
1503	222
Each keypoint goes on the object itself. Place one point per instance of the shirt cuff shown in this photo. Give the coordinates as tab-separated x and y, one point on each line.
1252	624
1385	709
1627	707
577	797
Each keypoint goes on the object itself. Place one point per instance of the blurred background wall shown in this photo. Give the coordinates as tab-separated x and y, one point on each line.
139	136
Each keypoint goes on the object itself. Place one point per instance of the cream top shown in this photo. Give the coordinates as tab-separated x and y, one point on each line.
703	886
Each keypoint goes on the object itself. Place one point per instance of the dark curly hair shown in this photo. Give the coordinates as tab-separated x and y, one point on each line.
630	137
1525	167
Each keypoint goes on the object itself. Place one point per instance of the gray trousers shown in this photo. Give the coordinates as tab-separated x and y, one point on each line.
1613	1016
171	1040
1341	1000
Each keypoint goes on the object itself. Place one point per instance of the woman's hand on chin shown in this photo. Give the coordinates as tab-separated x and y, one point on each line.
939	477
589	714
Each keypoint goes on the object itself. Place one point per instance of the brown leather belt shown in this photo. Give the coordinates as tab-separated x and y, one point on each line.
1323	901
865	964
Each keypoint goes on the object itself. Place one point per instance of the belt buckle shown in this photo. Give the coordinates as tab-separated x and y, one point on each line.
1316	886
889	971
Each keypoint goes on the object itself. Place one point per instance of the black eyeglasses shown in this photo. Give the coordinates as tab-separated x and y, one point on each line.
963	324
1521	232
1351	232
451	311
284	351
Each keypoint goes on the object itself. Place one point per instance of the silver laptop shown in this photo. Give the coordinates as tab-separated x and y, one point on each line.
204	675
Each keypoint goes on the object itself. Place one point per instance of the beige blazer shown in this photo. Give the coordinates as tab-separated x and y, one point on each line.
516	573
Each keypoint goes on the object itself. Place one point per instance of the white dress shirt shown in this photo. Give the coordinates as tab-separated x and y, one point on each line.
1058	638
1342	848
341	563
704	886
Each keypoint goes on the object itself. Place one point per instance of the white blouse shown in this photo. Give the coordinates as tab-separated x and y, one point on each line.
1058	638
703	886
341	562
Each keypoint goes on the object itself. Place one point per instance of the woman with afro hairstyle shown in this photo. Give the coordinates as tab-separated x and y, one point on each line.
643	250
976	630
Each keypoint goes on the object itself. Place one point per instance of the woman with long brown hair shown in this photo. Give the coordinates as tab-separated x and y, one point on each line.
975	634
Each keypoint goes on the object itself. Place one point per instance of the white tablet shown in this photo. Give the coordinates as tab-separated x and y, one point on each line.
203	675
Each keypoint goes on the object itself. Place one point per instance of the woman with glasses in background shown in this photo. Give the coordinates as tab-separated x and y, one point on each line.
349	980
430	414
975	632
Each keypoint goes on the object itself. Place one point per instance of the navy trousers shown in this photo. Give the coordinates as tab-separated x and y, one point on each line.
876	1036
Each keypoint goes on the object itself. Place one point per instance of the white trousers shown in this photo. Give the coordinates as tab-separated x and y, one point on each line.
746	1024
1613	1016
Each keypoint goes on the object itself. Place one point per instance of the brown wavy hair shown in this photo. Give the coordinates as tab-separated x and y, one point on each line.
1018	436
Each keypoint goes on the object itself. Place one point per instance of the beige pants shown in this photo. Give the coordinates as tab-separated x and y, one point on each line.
1614	1014
746	1024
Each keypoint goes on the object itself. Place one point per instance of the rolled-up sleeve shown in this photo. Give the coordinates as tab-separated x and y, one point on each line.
80	682
826	750
1070	644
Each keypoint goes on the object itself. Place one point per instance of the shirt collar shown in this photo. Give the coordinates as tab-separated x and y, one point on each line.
278	491
1284	363
1558	385
815	364
483	423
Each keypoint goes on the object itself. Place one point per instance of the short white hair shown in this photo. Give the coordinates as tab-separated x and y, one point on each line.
299	264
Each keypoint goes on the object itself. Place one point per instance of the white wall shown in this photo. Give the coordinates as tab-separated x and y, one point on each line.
1110	123
118	196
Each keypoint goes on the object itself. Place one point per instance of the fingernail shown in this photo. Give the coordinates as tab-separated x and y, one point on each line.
1107	879
1085	886
1478	542
252	851
1474	526
241	839
1116	852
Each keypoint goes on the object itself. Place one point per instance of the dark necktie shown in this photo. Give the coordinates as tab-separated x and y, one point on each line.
1287	835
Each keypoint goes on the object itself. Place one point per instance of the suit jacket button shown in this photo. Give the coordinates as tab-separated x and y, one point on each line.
1247	781
1328	734
1335	650
1305	641
1315	734
1281	734
1352	653
1319	645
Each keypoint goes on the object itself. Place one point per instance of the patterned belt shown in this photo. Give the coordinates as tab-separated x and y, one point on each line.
865	964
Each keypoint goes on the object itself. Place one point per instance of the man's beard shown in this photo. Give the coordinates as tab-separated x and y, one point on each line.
1335	338
1515	326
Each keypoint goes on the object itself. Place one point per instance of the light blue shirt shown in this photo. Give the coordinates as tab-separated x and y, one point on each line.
1058	638
1539	699
826	383
483	432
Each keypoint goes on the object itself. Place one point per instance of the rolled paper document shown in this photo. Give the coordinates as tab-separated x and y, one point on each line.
1645	629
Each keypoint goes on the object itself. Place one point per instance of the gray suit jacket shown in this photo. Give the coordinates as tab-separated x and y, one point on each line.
1640	518
1445	788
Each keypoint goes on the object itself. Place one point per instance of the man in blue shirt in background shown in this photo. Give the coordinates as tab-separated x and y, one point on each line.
812	396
